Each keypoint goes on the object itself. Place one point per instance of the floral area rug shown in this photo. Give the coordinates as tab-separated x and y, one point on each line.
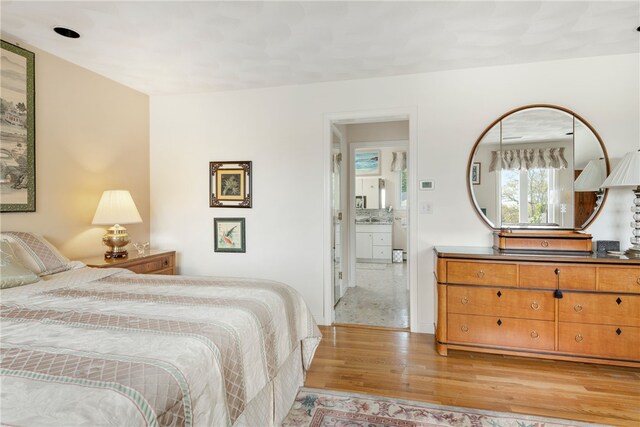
326	408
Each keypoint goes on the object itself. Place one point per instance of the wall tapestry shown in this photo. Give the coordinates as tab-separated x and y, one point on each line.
17	130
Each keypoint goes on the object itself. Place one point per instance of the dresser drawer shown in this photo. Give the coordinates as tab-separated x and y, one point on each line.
481	273
568	276
161	265
503	332
609	309
619	279
600	340
501	302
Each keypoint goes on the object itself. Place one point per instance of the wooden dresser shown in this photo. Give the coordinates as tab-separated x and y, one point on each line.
572	307
152	262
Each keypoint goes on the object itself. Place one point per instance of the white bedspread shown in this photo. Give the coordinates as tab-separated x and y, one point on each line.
108	347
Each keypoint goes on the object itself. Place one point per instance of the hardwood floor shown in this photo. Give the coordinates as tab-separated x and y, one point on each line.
405	365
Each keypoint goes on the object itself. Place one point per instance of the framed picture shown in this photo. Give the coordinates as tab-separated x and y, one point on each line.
229	235
367	162
17	130
230	185
475	173
361	202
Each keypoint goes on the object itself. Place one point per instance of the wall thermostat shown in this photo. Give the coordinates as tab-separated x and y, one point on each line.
427	184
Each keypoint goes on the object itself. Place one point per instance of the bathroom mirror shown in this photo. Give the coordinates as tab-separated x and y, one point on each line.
538	166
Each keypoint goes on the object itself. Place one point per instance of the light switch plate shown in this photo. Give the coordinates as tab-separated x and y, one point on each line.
427	185
426	208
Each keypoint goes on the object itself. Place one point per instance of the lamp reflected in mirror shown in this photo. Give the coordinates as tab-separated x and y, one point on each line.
591	179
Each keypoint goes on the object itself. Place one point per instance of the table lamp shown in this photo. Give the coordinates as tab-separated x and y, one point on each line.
627	174
116	207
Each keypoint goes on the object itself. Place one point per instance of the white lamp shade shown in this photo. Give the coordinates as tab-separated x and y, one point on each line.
592	176
116	207
626	173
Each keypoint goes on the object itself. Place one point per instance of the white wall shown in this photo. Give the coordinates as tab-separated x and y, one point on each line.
282	131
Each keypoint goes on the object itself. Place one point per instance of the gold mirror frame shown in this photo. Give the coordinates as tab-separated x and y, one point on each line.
498	120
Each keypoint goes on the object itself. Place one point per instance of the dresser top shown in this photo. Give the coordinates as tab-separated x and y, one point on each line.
486	252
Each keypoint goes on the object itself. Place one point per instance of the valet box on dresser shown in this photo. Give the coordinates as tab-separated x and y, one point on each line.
572	307
542	240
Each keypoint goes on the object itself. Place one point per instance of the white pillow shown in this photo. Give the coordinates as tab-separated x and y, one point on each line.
35	253
12	273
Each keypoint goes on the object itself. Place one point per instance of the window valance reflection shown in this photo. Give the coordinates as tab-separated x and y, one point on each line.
528	158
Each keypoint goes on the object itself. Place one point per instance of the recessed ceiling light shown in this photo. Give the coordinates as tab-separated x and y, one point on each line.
66	32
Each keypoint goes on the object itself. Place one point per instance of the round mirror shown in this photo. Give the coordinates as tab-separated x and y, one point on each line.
538	166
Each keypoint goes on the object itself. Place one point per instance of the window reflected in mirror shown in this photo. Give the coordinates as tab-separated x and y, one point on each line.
535	158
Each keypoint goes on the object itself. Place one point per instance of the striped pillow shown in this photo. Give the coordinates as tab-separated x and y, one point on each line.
35	253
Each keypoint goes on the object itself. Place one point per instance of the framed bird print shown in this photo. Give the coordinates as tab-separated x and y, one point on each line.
229	235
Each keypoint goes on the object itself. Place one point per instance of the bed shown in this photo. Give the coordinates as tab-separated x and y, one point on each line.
84	346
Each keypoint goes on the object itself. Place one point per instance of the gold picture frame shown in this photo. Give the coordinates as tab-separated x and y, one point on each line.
230	184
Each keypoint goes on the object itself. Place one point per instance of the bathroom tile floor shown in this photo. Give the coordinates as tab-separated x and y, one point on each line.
380	297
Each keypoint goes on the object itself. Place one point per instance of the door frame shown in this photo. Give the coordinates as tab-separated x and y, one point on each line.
371	116
343	242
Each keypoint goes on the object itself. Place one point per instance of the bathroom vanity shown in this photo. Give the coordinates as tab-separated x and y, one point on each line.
373	242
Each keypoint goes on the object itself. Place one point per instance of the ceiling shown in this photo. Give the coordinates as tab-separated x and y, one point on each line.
161	47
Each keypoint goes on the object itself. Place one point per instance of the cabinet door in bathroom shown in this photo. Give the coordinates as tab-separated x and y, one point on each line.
364	248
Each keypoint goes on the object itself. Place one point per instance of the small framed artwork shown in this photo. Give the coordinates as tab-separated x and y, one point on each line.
361	202
17	130
229	235
475	173
367	162
230	184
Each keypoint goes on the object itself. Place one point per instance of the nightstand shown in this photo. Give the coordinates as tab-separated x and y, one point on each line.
152	262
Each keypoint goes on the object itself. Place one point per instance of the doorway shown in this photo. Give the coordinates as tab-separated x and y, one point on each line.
370	221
